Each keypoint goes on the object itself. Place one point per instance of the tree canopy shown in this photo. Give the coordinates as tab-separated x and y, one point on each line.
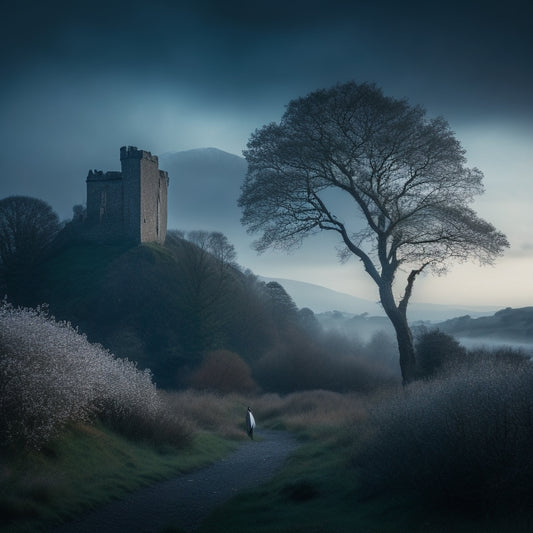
404	175
27	227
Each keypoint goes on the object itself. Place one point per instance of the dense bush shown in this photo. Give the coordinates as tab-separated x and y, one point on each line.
51	375
223	371
462	441
435	352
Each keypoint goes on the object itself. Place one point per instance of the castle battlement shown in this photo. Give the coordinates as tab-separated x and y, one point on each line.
131	152
131	203
98	175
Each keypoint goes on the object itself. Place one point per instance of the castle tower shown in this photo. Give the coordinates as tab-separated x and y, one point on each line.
144	190
131	204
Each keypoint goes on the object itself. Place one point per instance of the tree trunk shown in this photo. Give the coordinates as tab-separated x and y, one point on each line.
407	351
403	333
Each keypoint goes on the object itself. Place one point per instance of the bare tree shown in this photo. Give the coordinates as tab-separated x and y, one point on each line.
403	175
27	227
207	272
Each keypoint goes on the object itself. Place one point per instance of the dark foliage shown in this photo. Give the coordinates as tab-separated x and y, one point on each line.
435	351
162	306
27	228
223	371
167	307
302	362
462	442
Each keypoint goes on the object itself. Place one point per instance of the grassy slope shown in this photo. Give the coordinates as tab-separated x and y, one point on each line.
317	493
85	467
75	274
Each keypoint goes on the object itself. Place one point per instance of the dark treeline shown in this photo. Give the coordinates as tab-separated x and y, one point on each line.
186	309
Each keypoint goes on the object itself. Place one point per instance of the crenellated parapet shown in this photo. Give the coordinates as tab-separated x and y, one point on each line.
98	175
131	152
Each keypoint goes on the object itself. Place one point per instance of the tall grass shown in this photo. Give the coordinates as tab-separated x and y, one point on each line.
311	413
462	441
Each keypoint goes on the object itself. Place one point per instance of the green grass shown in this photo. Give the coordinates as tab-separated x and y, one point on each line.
86	467
318	490
315	492
77	271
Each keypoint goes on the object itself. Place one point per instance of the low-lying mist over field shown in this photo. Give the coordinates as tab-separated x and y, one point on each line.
494	343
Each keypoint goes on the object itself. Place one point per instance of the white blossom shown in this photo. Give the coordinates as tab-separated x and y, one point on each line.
51	375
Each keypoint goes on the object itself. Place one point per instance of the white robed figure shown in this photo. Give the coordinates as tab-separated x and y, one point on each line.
250	423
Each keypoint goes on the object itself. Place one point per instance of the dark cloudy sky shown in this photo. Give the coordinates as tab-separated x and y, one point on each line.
80	79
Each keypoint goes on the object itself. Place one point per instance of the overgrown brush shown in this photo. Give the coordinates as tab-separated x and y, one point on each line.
461	441
222	414
312	411
51	375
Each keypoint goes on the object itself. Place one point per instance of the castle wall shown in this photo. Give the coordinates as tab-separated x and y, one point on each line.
104	202
131	204
163	209
130	159
153	221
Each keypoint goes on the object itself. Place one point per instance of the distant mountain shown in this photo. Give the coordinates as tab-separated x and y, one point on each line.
321	299
204	188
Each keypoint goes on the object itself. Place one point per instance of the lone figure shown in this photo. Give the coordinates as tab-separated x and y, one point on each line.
250	423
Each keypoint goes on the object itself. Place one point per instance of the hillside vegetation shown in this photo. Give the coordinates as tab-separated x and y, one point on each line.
169	308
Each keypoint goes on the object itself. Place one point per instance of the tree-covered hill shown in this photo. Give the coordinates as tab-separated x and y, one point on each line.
163	307
185	310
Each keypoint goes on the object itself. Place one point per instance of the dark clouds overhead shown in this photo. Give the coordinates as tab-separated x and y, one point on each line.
474	56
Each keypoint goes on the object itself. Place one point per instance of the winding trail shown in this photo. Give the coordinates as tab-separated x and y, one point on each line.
185	501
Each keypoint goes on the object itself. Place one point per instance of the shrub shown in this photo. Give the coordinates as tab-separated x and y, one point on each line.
435	351
223	371
165	427
463	441
51	375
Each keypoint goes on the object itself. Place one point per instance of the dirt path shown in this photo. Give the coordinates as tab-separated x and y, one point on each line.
185	501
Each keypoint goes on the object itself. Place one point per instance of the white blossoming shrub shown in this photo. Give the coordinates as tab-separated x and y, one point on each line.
50	375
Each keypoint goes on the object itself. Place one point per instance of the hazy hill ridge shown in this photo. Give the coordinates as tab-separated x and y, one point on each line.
204	187
508	324
321	300
348	313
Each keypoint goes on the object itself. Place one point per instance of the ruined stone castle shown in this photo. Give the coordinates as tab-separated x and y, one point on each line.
130	204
